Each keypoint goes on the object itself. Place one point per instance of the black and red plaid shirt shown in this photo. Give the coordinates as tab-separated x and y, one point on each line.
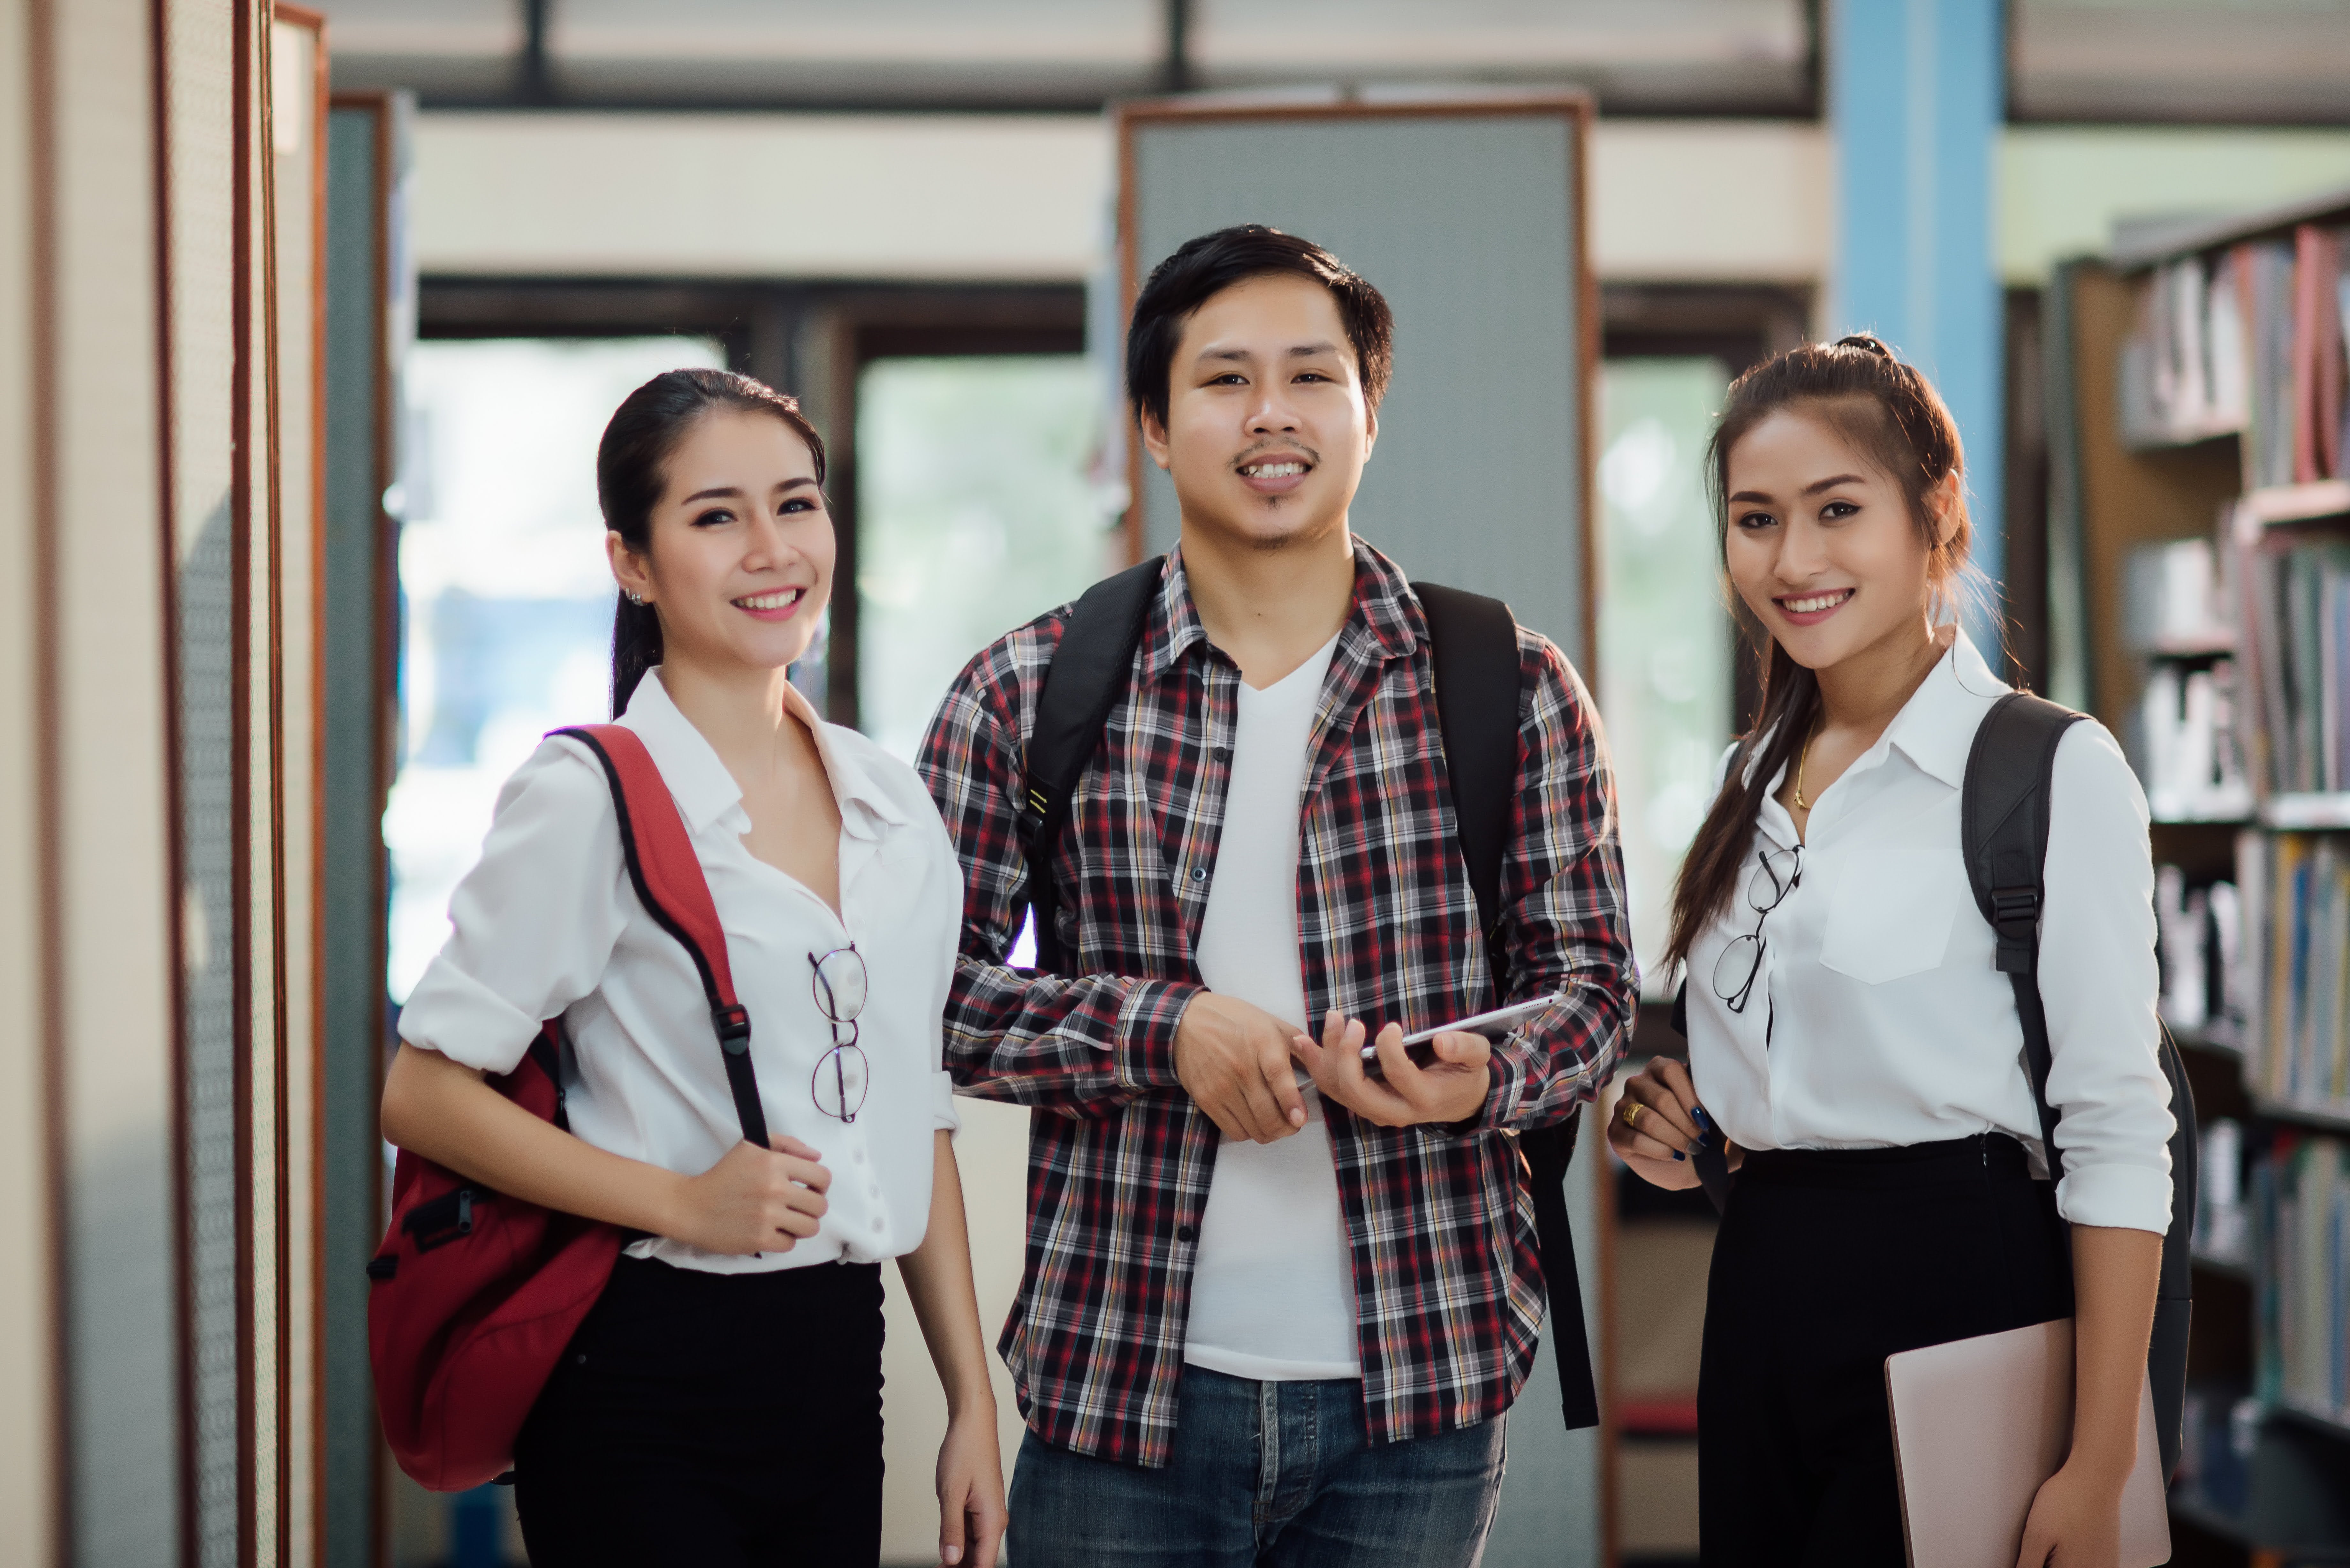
1448	1290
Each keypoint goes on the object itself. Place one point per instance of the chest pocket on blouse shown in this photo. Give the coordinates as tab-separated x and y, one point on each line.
1891	912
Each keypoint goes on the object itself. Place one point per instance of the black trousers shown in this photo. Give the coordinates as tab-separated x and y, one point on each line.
711	1420
1826	1262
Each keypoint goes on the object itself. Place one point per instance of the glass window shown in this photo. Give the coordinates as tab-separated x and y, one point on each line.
507	625
1664	628
983	500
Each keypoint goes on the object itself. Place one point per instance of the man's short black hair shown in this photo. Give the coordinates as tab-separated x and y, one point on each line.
1206	268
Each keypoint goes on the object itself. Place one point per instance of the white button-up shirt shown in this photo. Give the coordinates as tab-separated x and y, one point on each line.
548	924
1878	1019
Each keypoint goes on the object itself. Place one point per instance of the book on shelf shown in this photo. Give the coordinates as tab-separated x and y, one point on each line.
2297	601
2183	366
2251	341
2184	737
2173	601
2297	895
2220	1432
2199	944
2302	1198
2190	753
2223	1220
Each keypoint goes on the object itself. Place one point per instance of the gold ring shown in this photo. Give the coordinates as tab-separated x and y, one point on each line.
1632	1109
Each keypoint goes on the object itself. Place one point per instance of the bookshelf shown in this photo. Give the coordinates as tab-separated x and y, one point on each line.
2201	399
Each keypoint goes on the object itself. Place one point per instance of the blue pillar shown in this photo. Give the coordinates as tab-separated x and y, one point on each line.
1915	92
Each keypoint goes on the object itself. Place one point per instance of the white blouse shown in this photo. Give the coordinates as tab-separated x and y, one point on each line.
547	923
1878	1019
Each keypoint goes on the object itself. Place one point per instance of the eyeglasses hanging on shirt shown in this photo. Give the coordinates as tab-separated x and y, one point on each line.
1776	874
842	1075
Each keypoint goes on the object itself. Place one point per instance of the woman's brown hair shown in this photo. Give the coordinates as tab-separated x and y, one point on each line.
1889	414
632	470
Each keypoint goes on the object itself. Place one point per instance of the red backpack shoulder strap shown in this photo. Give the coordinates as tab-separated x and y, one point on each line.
667	875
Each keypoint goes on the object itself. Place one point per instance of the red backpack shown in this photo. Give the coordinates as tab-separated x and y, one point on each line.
474	1293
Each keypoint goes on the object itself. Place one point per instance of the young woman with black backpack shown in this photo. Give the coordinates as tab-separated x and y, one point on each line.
721	1404
1852	1044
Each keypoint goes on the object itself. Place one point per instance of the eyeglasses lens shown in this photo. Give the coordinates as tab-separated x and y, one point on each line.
1734	971
840	984
1776	872
840	1082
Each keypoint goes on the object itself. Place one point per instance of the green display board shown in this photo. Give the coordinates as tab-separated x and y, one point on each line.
1469	218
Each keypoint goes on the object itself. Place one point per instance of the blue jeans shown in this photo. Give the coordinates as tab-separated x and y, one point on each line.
1281	1474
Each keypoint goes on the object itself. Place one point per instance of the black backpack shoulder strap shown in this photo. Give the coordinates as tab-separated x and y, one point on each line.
1474	656
1089	670
1473	652
2004	832
2004	815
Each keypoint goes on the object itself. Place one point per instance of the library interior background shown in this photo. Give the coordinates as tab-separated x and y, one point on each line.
309	322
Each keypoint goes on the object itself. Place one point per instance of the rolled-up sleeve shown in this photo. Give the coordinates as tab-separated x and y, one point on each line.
1564	929
533	923
2098	983
1078	1045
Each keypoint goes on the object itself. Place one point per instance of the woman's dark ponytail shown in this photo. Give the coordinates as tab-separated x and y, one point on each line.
632	470
1891	413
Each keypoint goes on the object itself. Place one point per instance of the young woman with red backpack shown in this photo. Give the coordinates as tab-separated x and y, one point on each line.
720	1402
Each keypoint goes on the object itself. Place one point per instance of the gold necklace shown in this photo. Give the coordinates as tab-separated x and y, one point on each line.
1801	757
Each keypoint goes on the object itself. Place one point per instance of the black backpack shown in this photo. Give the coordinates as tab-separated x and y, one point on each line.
1475	650
2004	813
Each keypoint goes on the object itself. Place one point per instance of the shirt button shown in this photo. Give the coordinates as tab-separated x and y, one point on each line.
874	1188
1186	1233
878	1227
1223	753
1198	873
858	1156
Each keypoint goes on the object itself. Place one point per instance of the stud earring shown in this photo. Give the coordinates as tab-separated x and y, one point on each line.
637	599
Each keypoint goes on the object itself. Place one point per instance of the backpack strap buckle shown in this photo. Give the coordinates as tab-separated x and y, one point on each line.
1035	814
2015	915
734	1023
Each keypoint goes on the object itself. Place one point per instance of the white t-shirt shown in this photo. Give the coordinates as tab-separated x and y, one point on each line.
1272	1289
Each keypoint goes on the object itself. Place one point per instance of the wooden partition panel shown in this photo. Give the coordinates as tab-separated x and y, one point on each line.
243	115
357	578
297	132
99	597
156	924
29	1385
207	96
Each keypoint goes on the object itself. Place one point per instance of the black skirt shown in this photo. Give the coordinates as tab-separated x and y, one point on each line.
714	1420
1826	1262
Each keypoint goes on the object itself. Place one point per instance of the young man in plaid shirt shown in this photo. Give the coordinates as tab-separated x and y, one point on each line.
1289	1315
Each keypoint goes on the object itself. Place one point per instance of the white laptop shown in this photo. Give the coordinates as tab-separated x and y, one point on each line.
1978	1424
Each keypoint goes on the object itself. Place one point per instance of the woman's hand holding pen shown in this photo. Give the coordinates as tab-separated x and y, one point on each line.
753	1200
1658	1124
1453	1088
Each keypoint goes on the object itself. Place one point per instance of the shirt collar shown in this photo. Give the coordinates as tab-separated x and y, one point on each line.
1936	728
705	792
1386	611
